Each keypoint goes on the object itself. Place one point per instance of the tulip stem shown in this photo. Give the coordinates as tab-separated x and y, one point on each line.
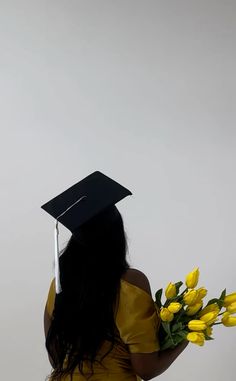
182	293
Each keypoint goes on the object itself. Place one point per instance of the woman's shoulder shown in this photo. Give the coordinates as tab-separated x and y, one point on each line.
138	279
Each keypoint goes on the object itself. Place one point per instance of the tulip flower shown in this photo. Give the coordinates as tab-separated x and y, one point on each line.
229	299
192	278
196	338
228	320
166	315
211	308
201	293
192	310
197	325
209	318
231	308
185	315
174	307
170	291
190	297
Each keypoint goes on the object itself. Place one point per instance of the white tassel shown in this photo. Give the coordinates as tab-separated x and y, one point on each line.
56	238
57	268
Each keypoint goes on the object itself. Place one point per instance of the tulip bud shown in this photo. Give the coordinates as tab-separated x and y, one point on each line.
174	307
192	278
229	299
166	315
170	291
190	297
211	308
231	308
209	318
196	338
228	320
202	291
197	325
192	310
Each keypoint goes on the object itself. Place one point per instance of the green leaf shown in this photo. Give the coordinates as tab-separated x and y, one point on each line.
221	299
222	296
185	319
178	285
158	296
176	327
179	337
166	327
168	331
182	334
208	337
178	340
166	344
179	316
212	301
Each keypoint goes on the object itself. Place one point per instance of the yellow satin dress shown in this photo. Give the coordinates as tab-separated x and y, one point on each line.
137	321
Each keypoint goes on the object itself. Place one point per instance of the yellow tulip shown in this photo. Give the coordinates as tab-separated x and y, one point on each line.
170	291
166	315
174	307
211	308
197	325
192	310
196	338
192	278
228	320
231	308
201	293
190	297
229	299
209	318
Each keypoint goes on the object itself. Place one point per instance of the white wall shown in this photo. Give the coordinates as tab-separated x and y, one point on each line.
145	92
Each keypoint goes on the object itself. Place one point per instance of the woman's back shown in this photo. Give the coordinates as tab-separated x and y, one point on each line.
137	324
102	310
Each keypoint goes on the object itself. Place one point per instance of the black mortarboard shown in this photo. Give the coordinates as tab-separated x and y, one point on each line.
80	203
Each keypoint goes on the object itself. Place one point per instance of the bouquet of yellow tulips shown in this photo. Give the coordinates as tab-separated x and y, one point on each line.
184	317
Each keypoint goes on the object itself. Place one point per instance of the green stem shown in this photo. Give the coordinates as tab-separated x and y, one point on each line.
182	293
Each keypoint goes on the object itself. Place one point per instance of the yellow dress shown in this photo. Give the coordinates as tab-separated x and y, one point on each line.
137	322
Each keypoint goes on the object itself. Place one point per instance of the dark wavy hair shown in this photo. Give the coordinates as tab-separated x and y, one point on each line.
91	267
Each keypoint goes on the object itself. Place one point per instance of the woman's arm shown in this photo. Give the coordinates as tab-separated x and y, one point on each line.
150	365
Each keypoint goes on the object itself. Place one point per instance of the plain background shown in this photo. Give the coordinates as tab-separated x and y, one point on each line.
143	91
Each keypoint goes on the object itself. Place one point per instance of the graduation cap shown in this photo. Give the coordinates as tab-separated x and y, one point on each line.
79	204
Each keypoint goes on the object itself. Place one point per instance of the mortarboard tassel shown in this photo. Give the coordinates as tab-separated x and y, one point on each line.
57	251
57	268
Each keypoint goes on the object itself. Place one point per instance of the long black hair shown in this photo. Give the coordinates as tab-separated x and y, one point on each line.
91	267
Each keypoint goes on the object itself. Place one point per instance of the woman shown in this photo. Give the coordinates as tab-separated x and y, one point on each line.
103	326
